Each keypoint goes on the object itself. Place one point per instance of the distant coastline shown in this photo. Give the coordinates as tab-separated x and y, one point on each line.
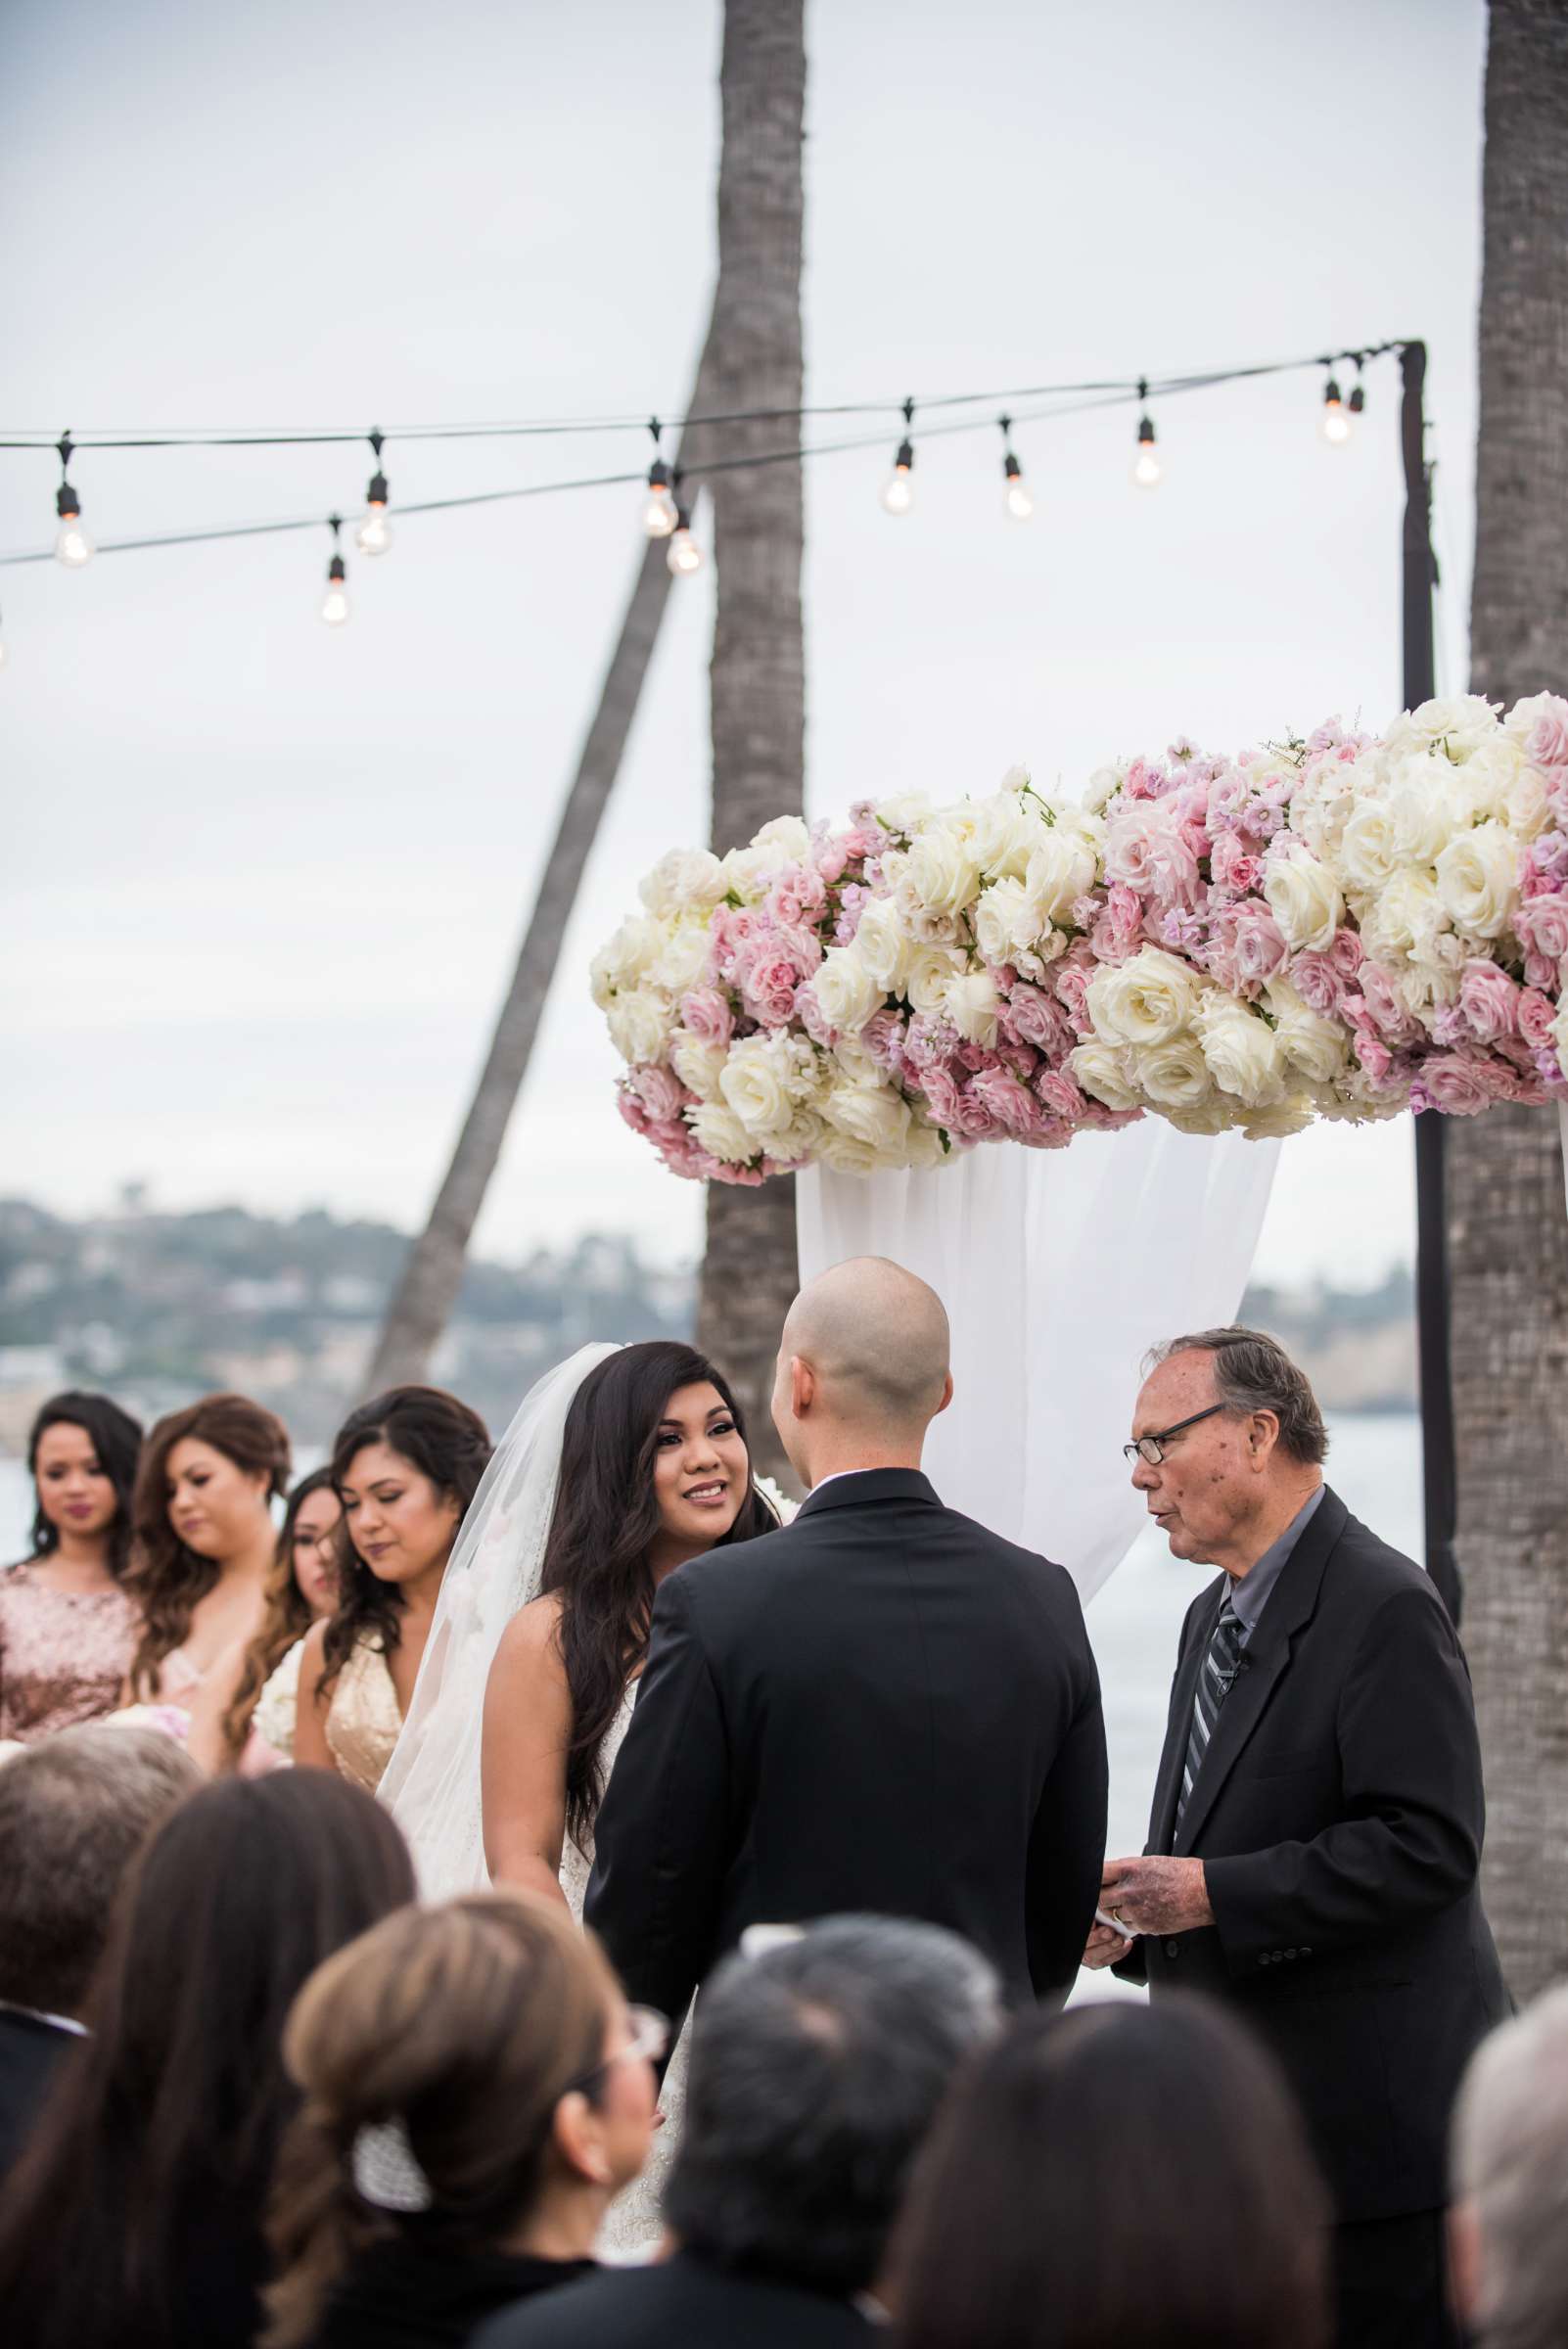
161	1307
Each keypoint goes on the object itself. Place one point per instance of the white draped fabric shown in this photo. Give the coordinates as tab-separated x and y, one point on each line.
1058	1268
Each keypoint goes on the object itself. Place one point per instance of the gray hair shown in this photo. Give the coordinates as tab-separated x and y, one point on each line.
1510	2162
1253	1372
74	1811
816	2069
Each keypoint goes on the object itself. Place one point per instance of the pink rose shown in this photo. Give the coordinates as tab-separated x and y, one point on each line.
883	1037
1036	1020
1062	1097
1318	983
1375	1057
1233	869
708	1016
796	897
1387	1006
1546	746
1070	981
1248	946
942	1098
1541	924
1537	1016
1009	1104
1117	933
1488	1000
660	1093
975	1121
831	856
1540	971
770	987
1347	954
1459	1084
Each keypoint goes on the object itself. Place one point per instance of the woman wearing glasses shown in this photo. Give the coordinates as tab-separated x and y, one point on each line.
475	2091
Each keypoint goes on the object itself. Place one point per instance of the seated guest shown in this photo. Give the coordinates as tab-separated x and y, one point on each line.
474	2093
67	1628
242	1716
816	2071
73	1814
134	2215
205	1541
1116	2177
1508	2225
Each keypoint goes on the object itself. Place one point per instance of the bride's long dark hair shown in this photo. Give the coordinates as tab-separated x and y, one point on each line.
605	1520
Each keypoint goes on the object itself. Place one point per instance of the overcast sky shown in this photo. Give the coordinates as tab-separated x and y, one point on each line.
265	880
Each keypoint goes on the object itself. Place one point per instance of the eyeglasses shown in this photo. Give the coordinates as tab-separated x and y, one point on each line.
1151	1448
650	2039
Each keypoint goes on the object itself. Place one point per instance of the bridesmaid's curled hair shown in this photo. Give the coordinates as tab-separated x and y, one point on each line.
116	1440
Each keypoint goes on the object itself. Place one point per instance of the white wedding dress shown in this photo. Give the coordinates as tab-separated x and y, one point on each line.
432	1783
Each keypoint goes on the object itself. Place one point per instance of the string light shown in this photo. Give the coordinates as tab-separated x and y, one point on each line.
1020	505
373	534
685	555
1336	423
1146	467
1356	402
660	514
72	546
334	603
897	491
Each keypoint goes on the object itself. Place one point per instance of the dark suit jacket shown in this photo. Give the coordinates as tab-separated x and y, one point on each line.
683	2304
881	1707
31	2051
1339	1816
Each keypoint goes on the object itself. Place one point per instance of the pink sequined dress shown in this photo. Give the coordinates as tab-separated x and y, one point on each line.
64	1654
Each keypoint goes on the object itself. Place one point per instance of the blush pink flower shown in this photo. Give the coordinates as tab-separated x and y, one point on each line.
1347	954
708	1015
1490	1001
660	1093
1546	745
1118	930
1318	983
1537	1015
1070	981
1459	1084
1036	1020
796	897
1007	1103
1375	1057
1387	1006
883	1037
1231	867
1246	948
942	1098
1061	1095
1541	924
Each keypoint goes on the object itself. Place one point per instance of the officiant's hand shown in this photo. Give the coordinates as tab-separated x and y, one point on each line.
1156	1895
1105	1947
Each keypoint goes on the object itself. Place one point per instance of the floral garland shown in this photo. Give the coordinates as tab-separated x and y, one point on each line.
1345	927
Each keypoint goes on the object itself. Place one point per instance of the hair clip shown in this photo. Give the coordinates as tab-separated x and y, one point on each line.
385	2170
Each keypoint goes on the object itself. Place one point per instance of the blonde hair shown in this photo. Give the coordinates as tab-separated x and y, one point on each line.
464	2025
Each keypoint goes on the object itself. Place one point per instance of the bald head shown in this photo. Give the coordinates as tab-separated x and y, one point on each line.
873	1341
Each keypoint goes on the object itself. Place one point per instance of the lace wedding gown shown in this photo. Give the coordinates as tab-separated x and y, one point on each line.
632	2224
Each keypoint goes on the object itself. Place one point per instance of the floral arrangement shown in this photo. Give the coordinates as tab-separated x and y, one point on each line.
1345	927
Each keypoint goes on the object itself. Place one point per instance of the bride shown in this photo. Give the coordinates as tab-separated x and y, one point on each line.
620	1465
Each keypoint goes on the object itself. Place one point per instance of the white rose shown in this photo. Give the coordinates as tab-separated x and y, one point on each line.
923	1145
760	1088
1108	1072
1064	867
622	962
1006	827
682	959
720	1134
1102	787
1316	1046
1175	1074
942	871
971	1001
1144	1001
880	1119
639	1025
844	1155
1463	718
845	991
1478	880
789	834
882	945
800	1140
685	877
1276	1124
1242	1053
1007	922
904	812
920	921
1405	917
1305	900
1216	1115
1424	809
1366	854
699	1065
926	974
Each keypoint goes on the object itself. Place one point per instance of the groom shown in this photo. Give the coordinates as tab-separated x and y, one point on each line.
881	1707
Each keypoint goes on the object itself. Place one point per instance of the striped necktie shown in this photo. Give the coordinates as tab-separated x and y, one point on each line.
1219	1665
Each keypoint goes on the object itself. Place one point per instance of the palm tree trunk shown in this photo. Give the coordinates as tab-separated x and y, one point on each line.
433	1274
1509	1247
758	664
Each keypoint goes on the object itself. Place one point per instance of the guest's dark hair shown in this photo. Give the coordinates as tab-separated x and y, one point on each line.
816	2069
117	1441
74	1811
166	2121
166	1577
285	1618
1121	2173
463	2025
605	1519
444	1441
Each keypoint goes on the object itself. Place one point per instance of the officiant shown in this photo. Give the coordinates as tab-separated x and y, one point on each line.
1315	1842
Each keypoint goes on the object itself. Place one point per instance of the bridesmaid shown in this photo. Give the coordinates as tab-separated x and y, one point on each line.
205	1541
243	1712
67	1628
405	1467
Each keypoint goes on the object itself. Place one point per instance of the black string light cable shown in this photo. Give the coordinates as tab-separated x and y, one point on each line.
898	491
374	536
1016	496
1113	394
661	514
71	546
334	604
1147	470
685	555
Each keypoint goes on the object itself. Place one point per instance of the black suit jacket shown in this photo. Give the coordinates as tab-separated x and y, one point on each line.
31	2051
683	2304
881	1707
1339	1816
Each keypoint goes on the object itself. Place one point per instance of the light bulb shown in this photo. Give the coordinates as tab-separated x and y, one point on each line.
1336	423
373	534
335	605
72	546
1146	470
685	555
661	515
1020	505
897	494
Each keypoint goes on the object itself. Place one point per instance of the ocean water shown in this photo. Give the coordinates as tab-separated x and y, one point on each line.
1374	1464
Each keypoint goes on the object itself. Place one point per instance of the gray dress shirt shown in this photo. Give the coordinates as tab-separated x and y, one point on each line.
1250	1594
